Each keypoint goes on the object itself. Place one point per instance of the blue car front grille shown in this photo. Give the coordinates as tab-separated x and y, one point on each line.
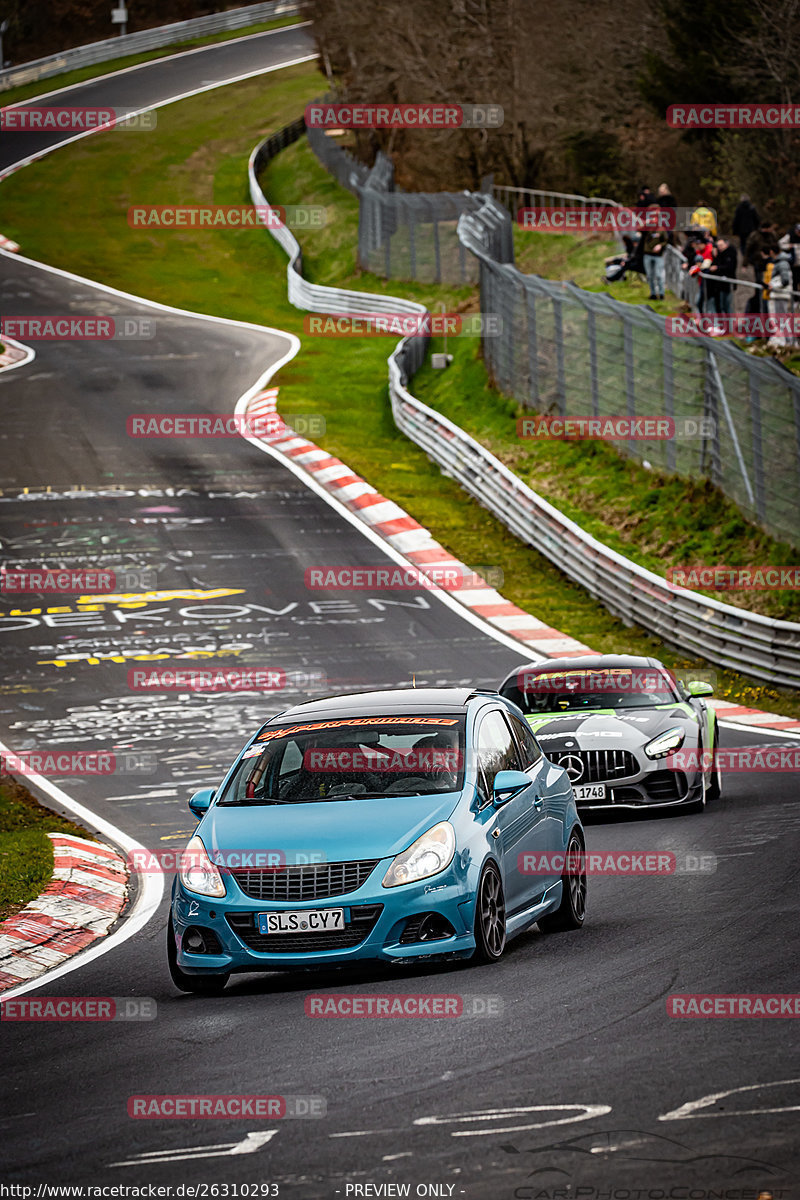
315	882
363	918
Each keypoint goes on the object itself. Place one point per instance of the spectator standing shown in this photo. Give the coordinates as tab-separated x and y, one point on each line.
667	200
722	265
655	248
704	217
790	243
745	221
779	291
759	244
645	197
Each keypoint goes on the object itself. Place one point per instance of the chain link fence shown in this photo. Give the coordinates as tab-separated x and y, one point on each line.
565	351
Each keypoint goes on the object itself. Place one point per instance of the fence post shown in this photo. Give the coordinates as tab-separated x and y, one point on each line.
630	377
758	447
592	335
558	336
669	398
533	346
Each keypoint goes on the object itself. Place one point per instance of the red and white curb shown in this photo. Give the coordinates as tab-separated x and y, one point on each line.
739	714
7	244
404	534
15	354
79	905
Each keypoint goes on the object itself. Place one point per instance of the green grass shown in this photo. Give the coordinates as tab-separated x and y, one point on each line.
199	154
41	86
26	852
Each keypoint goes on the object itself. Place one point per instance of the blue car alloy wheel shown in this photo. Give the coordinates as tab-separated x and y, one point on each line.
392	827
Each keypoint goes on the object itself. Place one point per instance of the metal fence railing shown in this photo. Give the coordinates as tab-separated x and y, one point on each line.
563	350
721	633
142	41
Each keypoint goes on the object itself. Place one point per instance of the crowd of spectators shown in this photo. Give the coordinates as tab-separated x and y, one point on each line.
711	257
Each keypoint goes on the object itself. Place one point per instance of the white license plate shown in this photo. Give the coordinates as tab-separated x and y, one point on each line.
590	791
310	920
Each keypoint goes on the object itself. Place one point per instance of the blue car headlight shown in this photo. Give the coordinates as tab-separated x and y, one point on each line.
665	743
198	873
428	855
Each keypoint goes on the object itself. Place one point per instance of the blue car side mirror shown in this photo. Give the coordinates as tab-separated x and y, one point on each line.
507	784
201	801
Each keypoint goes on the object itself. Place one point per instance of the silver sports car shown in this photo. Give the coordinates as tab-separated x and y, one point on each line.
628	733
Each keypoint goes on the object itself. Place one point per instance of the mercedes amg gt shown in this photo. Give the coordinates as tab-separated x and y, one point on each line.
628	733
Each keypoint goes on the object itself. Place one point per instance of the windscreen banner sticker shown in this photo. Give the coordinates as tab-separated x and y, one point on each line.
252	751
358	722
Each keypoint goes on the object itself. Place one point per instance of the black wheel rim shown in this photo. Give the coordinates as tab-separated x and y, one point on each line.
577	878
493	914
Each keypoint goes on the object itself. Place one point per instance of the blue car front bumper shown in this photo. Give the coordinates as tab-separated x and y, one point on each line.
376	918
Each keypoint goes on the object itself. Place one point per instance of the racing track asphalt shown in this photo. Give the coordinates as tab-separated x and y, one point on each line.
584	1020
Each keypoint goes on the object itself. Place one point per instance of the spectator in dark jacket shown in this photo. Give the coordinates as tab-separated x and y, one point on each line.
759	244
723	264
655	247
667	200
645	197
745	221
790	244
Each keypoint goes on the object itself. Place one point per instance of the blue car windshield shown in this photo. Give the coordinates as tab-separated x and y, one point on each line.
350	759
588	690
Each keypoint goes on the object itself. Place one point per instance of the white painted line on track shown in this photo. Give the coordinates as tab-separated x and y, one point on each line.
690	1110
585	1112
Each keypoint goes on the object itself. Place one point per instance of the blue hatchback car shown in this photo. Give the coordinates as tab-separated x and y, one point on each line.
390	826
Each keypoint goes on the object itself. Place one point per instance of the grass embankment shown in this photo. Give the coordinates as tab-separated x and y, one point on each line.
41	87
199	155
26	852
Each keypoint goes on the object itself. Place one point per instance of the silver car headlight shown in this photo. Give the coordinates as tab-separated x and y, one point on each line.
197	872
665	743
428	855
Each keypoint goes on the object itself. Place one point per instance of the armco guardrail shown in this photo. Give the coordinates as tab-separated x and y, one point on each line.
142	41
727	636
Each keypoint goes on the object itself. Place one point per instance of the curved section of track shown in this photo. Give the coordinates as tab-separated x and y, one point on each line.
572	1084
